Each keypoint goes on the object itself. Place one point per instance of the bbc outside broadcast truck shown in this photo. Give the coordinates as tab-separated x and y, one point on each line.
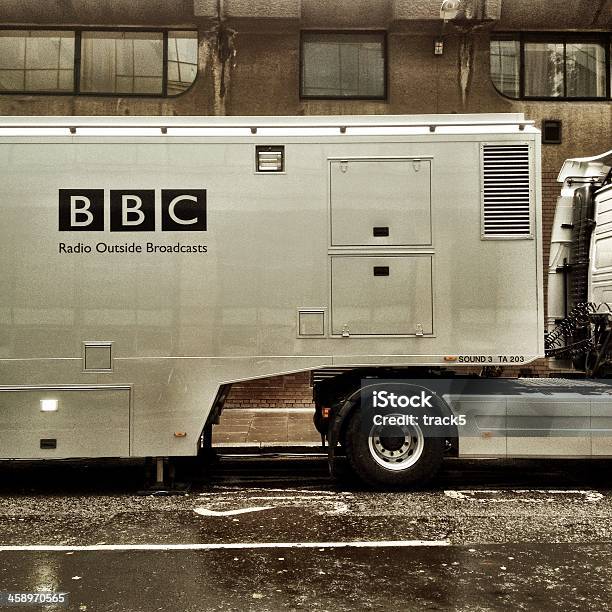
148	263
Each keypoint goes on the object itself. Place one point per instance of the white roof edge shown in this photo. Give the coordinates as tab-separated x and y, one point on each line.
321	121
595	166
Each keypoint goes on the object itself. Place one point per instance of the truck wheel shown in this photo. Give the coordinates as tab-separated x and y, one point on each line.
398	456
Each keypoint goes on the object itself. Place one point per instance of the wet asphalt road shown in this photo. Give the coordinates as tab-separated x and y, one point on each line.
485	536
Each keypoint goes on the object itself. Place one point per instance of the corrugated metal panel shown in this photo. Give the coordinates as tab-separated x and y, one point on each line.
506	192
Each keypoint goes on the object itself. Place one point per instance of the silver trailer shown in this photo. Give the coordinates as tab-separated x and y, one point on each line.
147	263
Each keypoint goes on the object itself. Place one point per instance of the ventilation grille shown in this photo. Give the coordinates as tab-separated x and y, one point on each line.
505	191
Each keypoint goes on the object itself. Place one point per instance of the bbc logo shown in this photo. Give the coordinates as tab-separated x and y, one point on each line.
182	210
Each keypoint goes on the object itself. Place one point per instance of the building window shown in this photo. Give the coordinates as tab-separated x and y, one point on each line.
122	62
542	66
182	61
543	70
36	61
109	62
505	66
585	65
343	65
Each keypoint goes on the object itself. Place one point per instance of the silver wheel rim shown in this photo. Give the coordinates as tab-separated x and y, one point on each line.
403	454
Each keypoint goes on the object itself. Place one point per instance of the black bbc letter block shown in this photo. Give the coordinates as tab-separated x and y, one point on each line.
132	210
81	210
184	210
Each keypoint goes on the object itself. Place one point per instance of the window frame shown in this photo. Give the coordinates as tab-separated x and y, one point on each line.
78	32
46	92
563	38
381	33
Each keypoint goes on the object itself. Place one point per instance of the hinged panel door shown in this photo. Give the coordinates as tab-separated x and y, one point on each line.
382	295
381	202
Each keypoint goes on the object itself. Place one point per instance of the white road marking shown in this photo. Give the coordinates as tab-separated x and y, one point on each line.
337	506
245	490
294	497
222	546
514	495
323	502
327	502
207	512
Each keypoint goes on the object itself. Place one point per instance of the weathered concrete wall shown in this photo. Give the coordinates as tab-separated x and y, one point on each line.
551	15
98	12
264	78
354	14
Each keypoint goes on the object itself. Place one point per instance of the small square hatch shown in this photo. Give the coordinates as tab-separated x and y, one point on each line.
311	322
97	357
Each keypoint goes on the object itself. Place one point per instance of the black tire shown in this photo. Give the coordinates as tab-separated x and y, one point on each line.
362	461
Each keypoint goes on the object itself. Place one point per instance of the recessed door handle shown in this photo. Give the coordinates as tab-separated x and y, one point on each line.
381	270
380	232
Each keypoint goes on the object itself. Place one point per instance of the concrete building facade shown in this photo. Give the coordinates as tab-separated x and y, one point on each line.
550	60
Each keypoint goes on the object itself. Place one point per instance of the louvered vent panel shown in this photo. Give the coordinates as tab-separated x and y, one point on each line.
505	191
